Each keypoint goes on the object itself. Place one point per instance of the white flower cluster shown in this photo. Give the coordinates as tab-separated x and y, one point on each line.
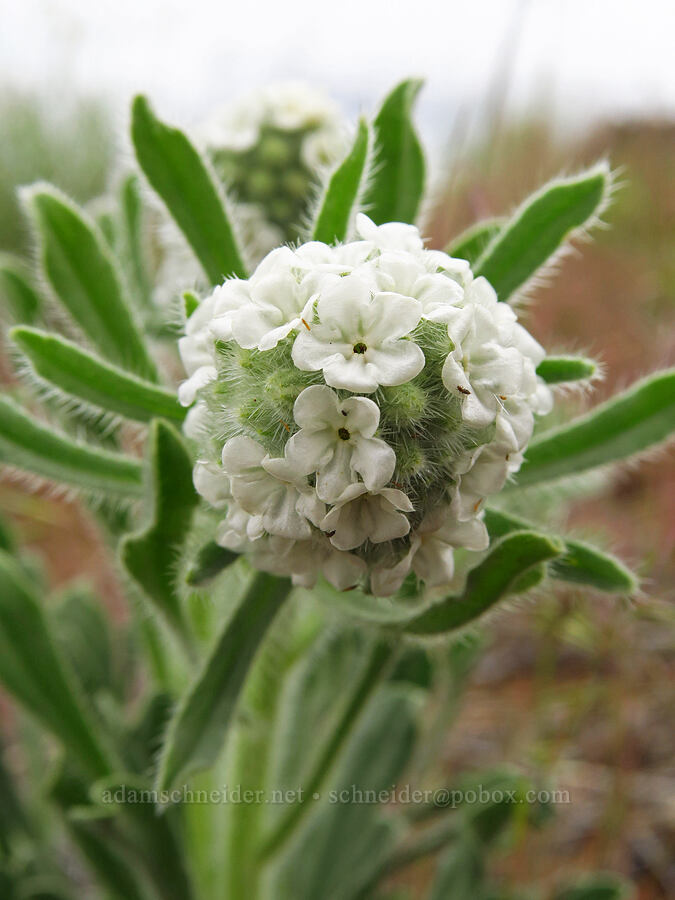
266	149
291	106
355	406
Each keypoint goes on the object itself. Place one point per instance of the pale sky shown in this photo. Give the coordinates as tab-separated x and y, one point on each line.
583	58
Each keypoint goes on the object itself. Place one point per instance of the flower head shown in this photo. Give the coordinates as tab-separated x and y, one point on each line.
356	406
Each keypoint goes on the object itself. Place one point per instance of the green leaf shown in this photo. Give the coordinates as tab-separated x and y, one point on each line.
82	273
347	838
470	244
342	191
151	555
537	229
81	631
596	887
32	670
197	731
190	303
489	582
111	868
460	872
210	561
13	817
558	369
153	838
80	374
7	537
32	446
16	289
179	175
326	695
580	563
625	425
132	242
396	184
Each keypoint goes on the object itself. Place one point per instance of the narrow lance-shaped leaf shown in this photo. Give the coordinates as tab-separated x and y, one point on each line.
625	425
80	269
344	847
34	447
489	582
96	833
150	556
80	374
31	669
470	244
21	298
342	192
179	175
377	658
561	369
396	184
152	838
198	729
132	241
538	228
580	563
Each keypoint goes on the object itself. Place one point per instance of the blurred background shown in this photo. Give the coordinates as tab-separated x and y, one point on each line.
573	685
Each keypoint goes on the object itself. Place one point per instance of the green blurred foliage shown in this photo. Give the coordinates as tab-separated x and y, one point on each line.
69	143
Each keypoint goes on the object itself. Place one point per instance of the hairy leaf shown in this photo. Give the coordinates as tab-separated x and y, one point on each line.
34	447
470	244
33	671
342	192
150	556
210	561
179	175
82	273
559	369
345	842
580	562
489	582
625	425
21	298
396	184
538	228
80	374
323	708
132	241
198	729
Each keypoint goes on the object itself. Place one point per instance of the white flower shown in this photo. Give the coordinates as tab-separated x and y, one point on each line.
197	351
264	309
404	273
239	529
385	580
261	311
391	236
269	488
487	366
336	440
433	544
359	515
359	339
212	484
290	106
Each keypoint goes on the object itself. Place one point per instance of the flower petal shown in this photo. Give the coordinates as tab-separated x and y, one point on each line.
374	460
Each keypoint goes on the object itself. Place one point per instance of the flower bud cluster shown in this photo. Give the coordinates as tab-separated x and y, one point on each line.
355	405
266	151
